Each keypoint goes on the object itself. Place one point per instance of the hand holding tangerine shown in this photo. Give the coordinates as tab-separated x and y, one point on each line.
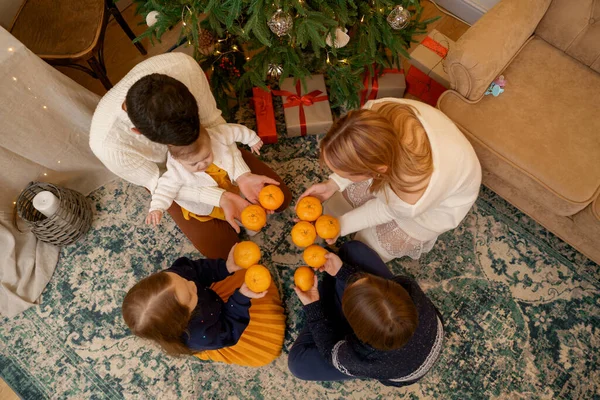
304	278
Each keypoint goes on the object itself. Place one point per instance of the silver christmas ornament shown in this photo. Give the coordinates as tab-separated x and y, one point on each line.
274	71
151	18
281	23
341	38
399	18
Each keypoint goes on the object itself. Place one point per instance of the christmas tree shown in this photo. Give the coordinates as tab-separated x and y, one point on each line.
246	43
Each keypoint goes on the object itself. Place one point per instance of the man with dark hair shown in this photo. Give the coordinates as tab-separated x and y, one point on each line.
161	102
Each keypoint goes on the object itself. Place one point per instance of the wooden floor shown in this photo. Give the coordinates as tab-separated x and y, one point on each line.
121	56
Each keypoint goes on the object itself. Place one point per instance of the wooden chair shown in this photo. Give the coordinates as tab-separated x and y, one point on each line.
63	32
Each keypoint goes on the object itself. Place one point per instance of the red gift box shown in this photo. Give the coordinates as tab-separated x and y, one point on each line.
423	86
265	115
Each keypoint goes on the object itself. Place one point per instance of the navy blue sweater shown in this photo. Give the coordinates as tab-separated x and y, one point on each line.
398	367
214	323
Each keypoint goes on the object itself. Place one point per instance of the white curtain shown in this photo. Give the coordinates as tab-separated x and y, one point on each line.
44	125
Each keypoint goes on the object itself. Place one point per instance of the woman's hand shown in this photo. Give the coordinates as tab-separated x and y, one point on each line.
256	148
250	294
321	191
310	296
230	263
154	217
333	264
251	184
332	241
232	206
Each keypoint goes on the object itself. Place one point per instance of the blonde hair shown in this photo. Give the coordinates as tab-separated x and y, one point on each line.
363	141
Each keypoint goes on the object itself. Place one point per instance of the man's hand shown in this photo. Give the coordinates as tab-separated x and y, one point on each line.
333	264
256	148
251	185
245	290
321	191
310	296
230	263
154	217
232	206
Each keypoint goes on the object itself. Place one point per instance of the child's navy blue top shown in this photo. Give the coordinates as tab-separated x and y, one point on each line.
214	323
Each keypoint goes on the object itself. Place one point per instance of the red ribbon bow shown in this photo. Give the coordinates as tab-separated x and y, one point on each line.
434	46
297	100
365	96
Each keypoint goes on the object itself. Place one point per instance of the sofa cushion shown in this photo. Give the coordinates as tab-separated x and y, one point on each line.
543	133
588	220
574	27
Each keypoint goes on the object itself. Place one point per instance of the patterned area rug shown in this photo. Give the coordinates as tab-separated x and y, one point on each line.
521	308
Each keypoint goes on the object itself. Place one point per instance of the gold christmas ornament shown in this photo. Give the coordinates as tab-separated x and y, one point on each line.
281	23
206	42
399	18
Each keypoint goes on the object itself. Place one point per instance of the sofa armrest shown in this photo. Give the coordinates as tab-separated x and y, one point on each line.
489	45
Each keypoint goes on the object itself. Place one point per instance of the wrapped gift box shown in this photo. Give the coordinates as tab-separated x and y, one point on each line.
307	112
428	57
391	83
265	115
423	86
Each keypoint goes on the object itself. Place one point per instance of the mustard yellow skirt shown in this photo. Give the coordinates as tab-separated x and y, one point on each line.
262	339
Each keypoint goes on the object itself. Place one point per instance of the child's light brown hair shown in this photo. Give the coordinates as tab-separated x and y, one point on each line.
183	152
363	141
380	311
151	311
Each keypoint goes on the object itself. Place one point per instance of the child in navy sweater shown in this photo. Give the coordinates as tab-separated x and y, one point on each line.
363	322
203	308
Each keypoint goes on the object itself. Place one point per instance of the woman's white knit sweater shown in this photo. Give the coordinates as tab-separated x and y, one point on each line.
451	192
133	157
223	138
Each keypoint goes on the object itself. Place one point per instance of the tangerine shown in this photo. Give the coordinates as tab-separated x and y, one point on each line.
258	278
315	256
309	208
270	197
303	234
246	254
304	278
328	227
254	217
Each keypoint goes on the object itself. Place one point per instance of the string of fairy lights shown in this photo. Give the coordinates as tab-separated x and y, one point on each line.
17	81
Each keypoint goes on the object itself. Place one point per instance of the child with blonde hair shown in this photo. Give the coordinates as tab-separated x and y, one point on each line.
407	175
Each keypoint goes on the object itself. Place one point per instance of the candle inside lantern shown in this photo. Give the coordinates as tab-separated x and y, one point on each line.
46	203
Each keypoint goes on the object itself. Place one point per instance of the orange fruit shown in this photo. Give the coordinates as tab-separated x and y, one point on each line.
304	278
303	234
309	208
258	278
246	254
270	197
327	227
315	256
254	217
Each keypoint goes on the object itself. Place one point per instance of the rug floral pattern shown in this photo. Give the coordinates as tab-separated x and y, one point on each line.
521	309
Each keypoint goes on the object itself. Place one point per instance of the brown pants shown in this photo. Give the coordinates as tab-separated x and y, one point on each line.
215	238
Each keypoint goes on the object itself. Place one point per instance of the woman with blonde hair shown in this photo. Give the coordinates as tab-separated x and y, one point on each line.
406	172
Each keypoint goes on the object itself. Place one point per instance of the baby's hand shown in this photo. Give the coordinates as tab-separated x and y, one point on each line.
154	217
245	290
256	148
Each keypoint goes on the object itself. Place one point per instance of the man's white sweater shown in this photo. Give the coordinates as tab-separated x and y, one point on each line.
130	155
223	140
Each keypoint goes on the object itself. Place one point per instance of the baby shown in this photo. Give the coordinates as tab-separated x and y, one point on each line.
212	163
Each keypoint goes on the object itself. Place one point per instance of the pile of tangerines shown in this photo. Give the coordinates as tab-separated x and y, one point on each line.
309	210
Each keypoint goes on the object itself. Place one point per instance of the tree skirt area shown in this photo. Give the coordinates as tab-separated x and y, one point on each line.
521	309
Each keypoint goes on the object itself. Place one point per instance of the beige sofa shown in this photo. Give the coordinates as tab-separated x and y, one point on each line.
539	141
